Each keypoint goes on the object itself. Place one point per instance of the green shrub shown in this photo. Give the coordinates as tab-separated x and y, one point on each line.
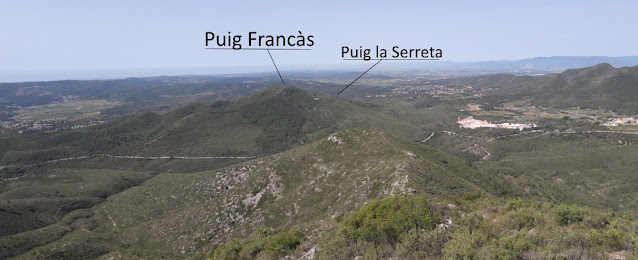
595	237
472	196
523	218
283	243
422	245
471	222
598	220
263	243
512	247
461	246
514	204
385	220
565	215
613	238
227	251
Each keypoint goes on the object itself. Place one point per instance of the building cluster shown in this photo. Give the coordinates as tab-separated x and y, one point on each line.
30	125
621	121
50	125
432	90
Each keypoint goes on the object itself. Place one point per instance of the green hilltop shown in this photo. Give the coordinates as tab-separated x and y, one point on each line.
271	121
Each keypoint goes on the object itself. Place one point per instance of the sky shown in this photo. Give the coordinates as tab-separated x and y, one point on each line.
66	39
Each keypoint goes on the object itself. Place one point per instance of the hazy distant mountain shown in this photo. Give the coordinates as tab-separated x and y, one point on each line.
524	66
598	87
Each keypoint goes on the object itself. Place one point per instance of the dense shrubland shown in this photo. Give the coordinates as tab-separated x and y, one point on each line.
472	227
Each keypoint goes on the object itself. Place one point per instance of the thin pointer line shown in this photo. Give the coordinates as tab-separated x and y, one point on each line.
359	77
259	49
392	59
273	62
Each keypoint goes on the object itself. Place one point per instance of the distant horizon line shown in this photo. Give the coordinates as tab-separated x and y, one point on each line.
26	76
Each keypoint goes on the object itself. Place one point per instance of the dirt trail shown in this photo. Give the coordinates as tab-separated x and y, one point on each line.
122	157
427	139
578	114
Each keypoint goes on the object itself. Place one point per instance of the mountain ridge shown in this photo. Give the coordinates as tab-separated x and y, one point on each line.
319	180
597	87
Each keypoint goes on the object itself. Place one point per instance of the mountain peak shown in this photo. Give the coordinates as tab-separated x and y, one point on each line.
593	71
284	89
603	66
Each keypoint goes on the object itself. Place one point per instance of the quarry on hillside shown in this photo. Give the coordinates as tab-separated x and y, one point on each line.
470	122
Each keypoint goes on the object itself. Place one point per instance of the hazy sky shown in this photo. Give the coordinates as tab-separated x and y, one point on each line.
73	38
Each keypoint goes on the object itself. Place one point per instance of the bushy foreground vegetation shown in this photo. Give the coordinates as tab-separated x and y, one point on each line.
379	227
526	229
263	244
475	227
